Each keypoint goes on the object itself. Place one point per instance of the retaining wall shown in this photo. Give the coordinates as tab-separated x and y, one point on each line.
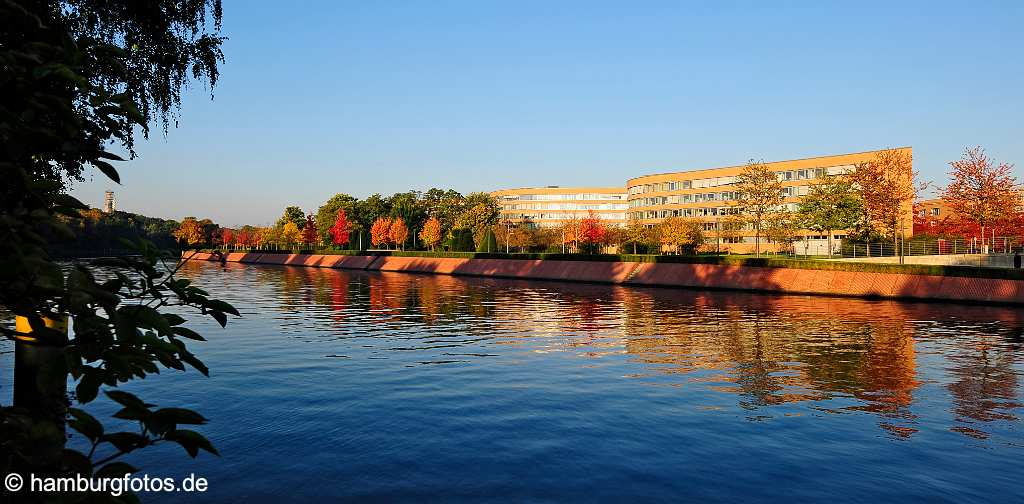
705	276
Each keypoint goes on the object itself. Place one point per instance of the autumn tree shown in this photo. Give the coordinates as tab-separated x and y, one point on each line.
479	214
782	228
982	192
380	231
340	229
570	233
759	193
398	232
681	234
294	215
227	236
831	204
244	237
430	235
328	213
887	190
290	234
636	232
592	232
309	232
189	232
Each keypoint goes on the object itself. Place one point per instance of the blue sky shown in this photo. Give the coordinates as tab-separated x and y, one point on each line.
364	97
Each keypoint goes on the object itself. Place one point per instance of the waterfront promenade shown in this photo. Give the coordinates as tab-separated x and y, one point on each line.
811	277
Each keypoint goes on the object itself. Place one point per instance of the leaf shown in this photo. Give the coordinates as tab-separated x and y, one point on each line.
85	423
219	305
220	318
126	441
126	399
185	332
179	416
89	386
173	319
196	363
191	441
107	169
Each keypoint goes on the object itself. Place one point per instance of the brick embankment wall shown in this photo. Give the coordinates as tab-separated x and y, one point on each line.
702	276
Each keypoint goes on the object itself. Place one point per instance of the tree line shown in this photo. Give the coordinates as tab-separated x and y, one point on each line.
869	203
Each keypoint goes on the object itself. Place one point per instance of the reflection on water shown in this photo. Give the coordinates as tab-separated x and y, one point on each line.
762	350
354	385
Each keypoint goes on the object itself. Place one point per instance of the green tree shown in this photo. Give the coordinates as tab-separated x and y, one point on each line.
446	205
409	208
832	203
328	213
79	77
759	194
489	243
480	212
294	215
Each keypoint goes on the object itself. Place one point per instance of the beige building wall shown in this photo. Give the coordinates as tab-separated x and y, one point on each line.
552	205
709	194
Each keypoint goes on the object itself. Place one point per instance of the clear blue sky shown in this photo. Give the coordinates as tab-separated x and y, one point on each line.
364	97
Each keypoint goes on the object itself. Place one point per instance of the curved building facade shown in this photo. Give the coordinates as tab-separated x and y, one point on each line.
710	194
552	205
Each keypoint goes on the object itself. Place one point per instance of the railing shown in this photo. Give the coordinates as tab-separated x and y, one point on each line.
992	246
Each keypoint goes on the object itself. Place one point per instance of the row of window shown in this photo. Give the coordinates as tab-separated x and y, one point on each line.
563	197
562	216
563	206
698	212
787	192
784	176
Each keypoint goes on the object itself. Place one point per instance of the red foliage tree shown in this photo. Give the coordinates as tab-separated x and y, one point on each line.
227	236
309	231
243	238
981	193
593	230
340	229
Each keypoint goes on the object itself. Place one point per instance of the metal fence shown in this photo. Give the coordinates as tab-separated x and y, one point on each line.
996	245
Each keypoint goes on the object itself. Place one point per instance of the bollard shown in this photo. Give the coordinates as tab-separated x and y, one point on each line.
40	384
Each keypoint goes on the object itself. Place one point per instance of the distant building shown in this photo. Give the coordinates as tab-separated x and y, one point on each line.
708	194
550	206
109	204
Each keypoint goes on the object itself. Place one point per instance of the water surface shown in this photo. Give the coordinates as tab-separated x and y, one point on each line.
352	385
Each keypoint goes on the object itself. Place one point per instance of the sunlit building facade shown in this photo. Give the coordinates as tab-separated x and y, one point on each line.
551	206
710	195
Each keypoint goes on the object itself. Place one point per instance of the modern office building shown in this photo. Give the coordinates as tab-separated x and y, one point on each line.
550	206
710	195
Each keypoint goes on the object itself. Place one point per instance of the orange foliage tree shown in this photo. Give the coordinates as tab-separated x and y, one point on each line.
341	228
430	235
189	232
887	188
309	236
982	193
397	232
592	231
379	231
570	231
